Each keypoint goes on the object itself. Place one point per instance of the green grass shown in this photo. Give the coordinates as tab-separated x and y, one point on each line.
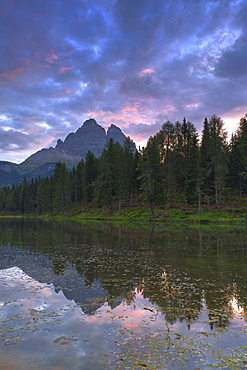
165	214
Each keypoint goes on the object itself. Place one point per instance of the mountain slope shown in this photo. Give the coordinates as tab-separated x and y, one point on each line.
90	136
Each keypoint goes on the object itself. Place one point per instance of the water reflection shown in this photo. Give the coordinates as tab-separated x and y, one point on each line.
114	284
92	263
45	323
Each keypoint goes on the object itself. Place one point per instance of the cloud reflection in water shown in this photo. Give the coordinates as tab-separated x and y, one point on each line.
43	329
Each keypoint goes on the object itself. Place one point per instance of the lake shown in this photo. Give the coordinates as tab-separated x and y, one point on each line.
99	295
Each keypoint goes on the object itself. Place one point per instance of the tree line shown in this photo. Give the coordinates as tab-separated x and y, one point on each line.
173	168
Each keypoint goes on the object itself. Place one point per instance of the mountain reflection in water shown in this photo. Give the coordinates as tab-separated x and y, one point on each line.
148	280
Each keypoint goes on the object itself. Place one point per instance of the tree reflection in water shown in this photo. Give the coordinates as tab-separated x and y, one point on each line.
143	287
178	269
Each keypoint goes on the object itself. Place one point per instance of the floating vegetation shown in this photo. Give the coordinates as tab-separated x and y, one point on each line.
124	304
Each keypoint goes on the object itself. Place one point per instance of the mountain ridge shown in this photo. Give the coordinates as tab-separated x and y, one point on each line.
90	136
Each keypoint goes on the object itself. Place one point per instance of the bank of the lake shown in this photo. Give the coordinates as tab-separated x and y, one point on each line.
184	215
232	214
210	214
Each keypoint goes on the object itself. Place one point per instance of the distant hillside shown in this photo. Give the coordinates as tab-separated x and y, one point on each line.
90	136
9	173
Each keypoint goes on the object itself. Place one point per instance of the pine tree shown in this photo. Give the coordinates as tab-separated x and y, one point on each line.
206	164
130	173
77	183
218	155
61	188
24	196
44	196
152	178
91	169
237	177
192	172
108	175
187	160
213	159
167	142
242	135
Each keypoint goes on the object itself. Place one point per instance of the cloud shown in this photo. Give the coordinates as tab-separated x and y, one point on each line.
143	130
129	63
232	62
12	140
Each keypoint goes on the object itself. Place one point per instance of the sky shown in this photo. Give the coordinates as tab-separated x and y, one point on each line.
132	63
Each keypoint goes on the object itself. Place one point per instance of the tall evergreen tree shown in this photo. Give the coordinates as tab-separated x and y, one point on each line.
77	183
91	169
131	156
242	135
44	196
24	202
237	177
219	155
213	159
110	168
187	160
61	188
206	164
152	178
167	141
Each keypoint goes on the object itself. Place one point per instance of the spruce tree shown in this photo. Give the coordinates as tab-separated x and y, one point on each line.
61	188
213	159
152	178
91	169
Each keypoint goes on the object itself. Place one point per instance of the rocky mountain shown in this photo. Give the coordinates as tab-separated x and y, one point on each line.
90	136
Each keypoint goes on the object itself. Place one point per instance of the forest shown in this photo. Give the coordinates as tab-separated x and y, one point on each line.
174	168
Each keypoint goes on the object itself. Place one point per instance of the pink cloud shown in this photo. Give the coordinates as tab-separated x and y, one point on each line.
51	57
61	93
67	92
147	71
33	118
65	69
15	74
129	109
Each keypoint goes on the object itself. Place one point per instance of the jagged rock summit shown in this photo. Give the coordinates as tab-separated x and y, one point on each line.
90	136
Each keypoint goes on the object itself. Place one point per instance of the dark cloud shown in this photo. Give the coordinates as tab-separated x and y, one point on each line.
232	64
132	63
11	140
15	141
143	129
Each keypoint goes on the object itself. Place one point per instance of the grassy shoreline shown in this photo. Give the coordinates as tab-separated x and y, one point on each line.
184	215
188	215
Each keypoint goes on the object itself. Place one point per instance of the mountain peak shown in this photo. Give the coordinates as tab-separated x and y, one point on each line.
90	122
116	134
90	136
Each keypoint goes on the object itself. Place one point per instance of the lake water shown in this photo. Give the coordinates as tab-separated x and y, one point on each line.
135	296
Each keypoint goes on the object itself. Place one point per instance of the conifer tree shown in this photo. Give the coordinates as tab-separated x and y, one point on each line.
90	175
206	165
242	134
44	196
110	167
77	183
152	178
130	174
213	159
187	160
24	196
61	188
237	177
